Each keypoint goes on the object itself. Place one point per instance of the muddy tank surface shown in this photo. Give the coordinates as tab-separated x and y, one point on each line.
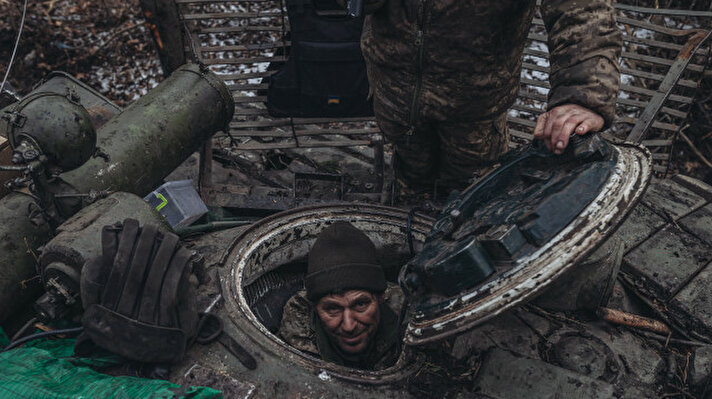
534	350
553	313
577	332
574	328
260	268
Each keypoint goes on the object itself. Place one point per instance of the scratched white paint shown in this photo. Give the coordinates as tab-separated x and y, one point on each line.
626	184
108	169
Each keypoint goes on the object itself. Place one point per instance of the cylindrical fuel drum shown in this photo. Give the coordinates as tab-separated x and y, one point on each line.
154	135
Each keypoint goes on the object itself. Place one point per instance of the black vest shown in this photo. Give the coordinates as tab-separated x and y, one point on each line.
325	74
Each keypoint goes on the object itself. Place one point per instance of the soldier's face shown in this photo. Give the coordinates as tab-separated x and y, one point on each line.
350	320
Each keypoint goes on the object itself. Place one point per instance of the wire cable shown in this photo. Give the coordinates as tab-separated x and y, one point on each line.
14	50
42	334
24	329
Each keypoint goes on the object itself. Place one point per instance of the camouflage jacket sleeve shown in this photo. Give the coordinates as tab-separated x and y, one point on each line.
295	327
369	6
584	46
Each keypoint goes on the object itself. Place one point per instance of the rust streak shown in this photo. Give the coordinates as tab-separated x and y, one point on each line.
631	320
691	43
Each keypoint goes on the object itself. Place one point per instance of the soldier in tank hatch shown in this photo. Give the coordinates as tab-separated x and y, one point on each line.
347	314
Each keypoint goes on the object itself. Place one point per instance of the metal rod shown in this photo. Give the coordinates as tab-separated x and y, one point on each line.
646	119
213	303
9	168
14	50
631	320
207	227
663	11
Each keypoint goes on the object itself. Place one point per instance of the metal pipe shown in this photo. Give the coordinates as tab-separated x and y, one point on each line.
144	143
150	138
212	226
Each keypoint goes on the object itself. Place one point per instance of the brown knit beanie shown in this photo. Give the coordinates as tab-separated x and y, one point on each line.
343	258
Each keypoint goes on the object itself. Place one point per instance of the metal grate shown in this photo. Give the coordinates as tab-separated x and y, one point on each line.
661	66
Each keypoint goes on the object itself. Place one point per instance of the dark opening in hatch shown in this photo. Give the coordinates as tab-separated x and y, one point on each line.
269	264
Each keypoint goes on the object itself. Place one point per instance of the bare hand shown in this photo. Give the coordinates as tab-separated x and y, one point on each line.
556	125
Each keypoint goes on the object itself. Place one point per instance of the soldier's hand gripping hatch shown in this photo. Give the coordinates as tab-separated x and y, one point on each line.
514	231
556	126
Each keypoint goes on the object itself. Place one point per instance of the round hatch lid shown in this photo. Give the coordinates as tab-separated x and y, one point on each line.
511	234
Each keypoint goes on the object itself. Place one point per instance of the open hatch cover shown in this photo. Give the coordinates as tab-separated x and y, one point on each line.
511	234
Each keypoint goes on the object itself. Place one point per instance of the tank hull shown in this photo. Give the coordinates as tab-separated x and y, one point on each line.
18	237
528	351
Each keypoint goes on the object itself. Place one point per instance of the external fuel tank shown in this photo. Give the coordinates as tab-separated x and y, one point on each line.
136	150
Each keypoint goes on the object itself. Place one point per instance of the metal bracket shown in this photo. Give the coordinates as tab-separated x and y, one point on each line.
663	92
15	118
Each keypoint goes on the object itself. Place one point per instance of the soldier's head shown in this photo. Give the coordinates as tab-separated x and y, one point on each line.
346	283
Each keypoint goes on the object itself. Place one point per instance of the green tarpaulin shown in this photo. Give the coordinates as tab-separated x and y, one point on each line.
4	340
48	369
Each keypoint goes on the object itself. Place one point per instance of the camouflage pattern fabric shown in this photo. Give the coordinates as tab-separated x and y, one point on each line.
458	62
449	153
297	329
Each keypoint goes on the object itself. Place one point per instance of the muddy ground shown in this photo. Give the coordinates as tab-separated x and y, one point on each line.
104	43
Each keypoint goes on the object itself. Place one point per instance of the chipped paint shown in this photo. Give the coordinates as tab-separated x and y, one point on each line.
107	170
531	274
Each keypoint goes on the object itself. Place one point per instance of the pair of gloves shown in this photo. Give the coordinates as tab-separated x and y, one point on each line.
139	295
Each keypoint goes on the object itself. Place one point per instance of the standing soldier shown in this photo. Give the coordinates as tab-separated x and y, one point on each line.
444	72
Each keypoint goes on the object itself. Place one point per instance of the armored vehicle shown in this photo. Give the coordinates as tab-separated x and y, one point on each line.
576	276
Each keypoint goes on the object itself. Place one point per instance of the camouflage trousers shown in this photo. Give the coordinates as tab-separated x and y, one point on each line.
449	154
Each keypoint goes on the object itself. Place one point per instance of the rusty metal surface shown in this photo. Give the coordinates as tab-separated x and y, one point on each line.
532	273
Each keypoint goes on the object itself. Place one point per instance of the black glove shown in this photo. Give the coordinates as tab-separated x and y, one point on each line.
139	296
